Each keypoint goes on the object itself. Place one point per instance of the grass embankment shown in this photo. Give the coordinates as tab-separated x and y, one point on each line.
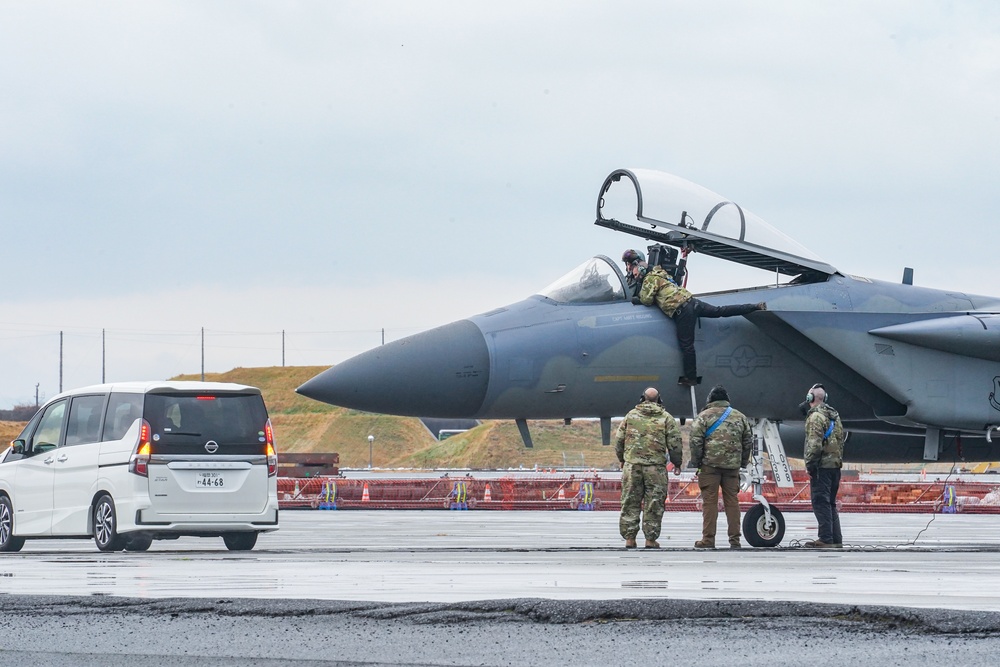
9	431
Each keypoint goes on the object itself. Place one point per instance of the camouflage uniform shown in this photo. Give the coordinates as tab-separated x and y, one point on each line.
824	458
658	286
678	304
820	452
719	458
644	439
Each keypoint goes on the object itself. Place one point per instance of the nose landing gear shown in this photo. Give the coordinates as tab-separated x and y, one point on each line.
764	525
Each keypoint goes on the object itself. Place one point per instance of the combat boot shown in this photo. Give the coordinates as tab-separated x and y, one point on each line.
704	544
630	543
818	544
652	544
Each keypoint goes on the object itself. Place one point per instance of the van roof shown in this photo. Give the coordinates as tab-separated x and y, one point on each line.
158	385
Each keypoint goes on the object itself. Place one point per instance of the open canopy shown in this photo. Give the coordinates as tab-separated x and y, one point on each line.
680	213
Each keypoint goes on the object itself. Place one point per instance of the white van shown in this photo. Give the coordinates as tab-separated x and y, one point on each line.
132	462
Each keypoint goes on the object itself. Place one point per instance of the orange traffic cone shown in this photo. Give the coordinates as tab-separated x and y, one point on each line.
486	494
562	494
364	494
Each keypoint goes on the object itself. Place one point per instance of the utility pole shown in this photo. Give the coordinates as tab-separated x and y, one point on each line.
60	361
104	357
203	354
282	348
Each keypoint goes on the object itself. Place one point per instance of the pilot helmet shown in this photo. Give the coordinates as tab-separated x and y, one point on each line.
630	257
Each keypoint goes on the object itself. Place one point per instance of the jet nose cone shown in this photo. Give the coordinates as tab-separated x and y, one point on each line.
443	372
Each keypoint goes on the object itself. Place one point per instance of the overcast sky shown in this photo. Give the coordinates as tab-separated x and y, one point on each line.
332	169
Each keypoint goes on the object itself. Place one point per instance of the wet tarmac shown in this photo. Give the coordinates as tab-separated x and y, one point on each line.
913	560
347	587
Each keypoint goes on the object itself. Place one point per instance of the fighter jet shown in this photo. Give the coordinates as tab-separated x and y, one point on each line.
913	371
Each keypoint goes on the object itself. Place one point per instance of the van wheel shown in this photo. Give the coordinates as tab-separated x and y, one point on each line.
7	540
138	543
106	535
240	541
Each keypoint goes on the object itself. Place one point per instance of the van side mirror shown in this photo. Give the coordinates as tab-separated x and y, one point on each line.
17	446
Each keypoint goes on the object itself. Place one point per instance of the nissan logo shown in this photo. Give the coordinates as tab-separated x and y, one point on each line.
211	446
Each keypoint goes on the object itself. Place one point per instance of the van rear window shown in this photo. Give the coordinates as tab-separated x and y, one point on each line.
185	419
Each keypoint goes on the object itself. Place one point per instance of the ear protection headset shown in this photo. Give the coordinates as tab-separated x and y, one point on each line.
642	399
810	396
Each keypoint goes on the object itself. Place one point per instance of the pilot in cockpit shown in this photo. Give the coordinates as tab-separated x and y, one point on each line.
658	287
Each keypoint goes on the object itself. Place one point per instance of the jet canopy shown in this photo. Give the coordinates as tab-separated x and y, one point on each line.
685	215
598	280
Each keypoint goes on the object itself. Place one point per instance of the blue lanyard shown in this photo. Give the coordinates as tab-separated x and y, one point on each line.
722	418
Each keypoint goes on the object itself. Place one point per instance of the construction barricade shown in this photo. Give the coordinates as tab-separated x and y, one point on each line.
596	492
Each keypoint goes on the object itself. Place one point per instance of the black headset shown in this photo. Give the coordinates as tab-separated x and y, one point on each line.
810	396
642	399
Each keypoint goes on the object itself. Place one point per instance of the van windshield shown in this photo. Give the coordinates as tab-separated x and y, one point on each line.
180	422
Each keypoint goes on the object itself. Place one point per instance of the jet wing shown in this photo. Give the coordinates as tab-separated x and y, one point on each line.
703	222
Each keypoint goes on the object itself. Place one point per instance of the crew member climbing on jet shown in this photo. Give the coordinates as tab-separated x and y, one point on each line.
679	304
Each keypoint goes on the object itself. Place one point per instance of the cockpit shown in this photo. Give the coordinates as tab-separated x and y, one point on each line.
598	280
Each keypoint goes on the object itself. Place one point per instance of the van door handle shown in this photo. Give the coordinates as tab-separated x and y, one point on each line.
62	458
48	460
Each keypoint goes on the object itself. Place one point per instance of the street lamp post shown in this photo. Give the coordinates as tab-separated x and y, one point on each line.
371	439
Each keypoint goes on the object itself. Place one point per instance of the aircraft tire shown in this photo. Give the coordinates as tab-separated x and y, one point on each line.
755	531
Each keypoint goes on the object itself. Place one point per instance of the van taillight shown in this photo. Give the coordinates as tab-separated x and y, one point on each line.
272	455
139	463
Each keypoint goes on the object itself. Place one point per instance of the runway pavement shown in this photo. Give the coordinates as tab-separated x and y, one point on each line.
364	580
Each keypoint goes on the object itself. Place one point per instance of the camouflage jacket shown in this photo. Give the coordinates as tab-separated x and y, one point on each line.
646	435
731	443
819	451
657	287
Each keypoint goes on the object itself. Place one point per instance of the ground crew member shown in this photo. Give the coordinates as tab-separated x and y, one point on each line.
645	438
824	455
677	303
721	443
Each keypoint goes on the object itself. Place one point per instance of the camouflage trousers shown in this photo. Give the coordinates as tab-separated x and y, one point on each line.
644	489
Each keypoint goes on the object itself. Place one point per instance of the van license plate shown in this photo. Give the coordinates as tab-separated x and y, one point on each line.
210	479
